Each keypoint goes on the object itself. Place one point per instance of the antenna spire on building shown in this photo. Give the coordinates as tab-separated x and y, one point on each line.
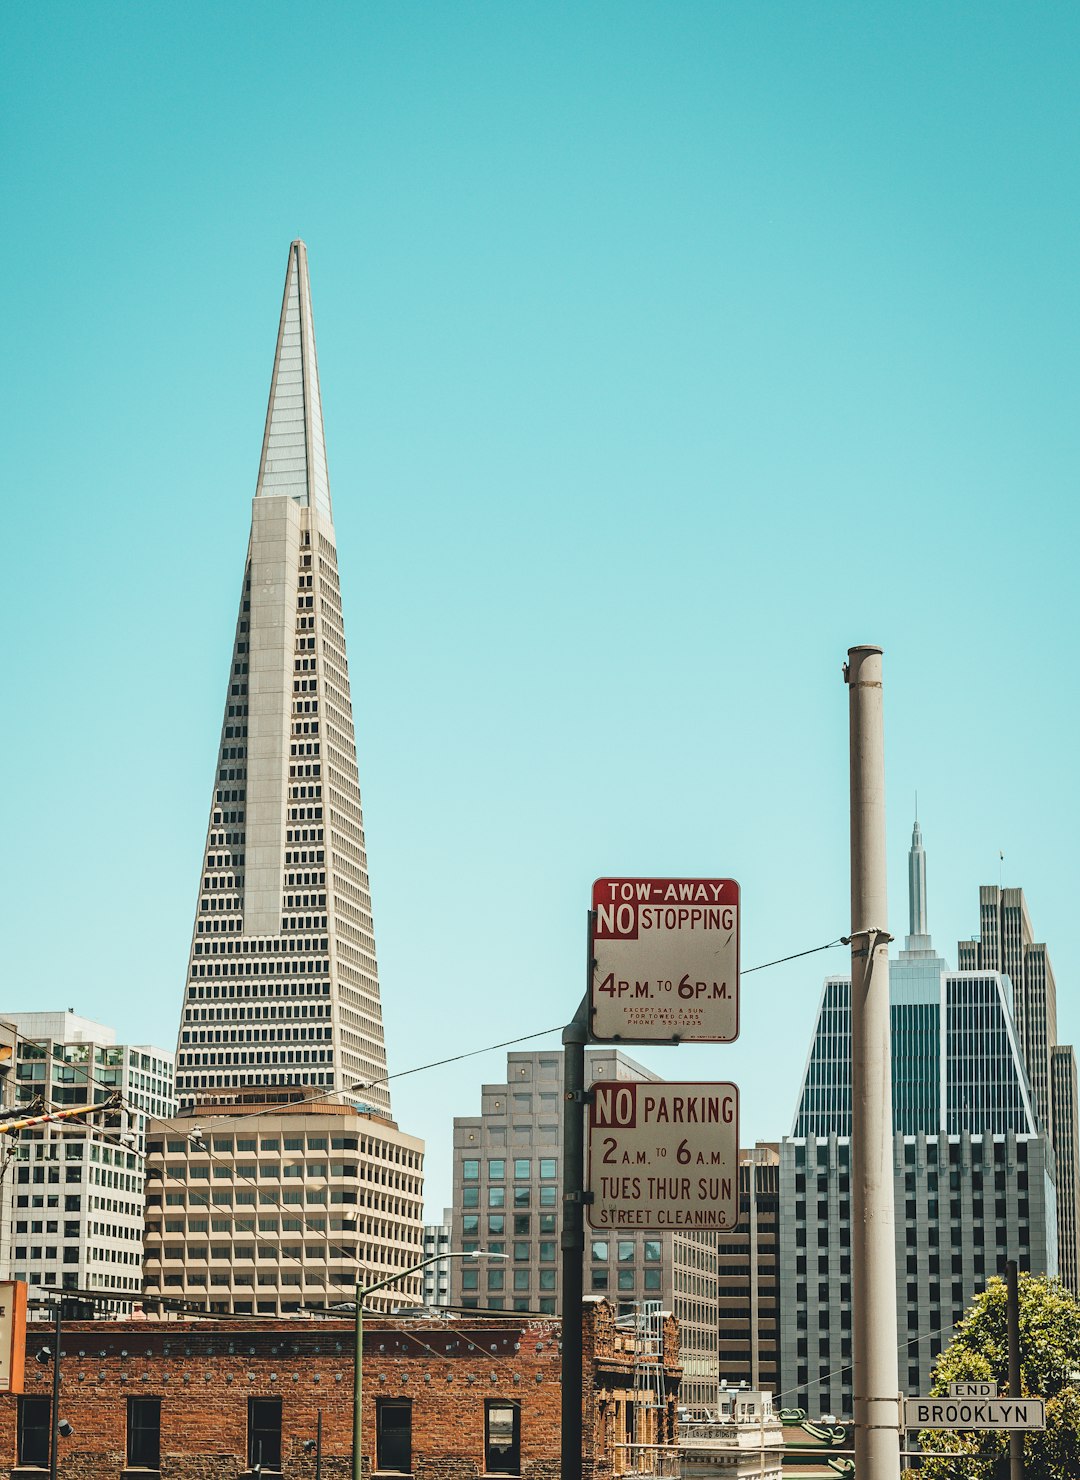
293	457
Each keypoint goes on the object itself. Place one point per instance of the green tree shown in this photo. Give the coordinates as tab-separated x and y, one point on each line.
1049	1369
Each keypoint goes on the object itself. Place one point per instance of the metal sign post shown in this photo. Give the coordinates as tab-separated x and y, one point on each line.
662	967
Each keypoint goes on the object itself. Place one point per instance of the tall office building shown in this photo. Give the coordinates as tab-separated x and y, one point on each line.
79	1188
281	1064
1006	943
508	1199
748	1275
282	983
1066	1139
436	1247
974	1172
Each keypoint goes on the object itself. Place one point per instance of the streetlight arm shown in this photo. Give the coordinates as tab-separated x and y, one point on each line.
435	1259
358	1368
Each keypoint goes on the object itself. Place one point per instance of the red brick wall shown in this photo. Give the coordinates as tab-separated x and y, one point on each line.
205	1371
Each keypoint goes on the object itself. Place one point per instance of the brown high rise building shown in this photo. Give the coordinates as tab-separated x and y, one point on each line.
748	1276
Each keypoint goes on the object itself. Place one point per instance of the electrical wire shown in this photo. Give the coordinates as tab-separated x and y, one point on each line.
247	1227
473	1053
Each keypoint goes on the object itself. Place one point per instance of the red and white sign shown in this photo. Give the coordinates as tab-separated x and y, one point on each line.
666	960
663	1156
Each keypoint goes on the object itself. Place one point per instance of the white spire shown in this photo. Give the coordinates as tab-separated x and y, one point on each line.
293	458
917	883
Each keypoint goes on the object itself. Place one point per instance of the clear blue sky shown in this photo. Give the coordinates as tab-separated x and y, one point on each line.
667	350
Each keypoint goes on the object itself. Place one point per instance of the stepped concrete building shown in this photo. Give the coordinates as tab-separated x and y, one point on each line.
281	1015
508	1199
282	981
974	1171
1006	943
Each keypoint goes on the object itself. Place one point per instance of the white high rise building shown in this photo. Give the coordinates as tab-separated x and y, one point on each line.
283	1182
282	985
78	1188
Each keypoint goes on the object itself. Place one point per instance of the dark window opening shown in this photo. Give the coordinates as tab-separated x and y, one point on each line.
394	1435
264	1433
35	1426
502	1438
144	1432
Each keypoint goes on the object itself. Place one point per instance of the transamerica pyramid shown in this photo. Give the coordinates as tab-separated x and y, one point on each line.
282	985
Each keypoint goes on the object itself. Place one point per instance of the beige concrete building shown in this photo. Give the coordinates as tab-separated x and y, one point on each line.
256	1208
284	1182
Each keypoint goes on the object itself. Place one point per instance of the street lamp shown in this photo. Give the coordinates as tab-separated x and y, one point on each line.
362	1291
57	1425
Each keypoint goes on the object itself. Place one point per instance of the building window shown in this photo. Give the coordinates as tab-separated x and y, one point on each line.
394	1434
502	1438
34	1424
144	1432
264	1432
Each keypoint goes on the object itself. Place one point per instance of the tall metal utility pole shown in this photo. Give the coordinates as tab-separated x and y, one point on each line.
1012	1327
874	1369
575	1036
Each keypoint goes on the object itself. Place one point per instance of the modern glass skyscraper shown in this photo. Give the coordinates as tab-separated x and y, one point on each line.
282	984
974	1170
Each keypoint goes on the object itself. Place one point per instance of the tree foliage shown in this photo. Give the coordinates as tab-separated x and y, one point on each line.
1049	1369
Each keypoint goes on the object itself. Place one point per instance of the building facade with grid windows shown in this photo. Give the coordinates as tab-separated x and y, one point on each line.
267	1214
748	1275
282	982
508	1199
1006	943
974	1171
77	1189
282	1015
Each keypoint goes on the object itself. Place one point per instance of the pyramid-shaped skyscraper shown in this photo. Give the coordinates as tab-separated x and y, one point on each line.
282	986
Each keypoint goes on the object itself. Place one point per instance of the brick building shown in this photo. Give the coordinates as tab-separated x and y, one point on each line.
452	1398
